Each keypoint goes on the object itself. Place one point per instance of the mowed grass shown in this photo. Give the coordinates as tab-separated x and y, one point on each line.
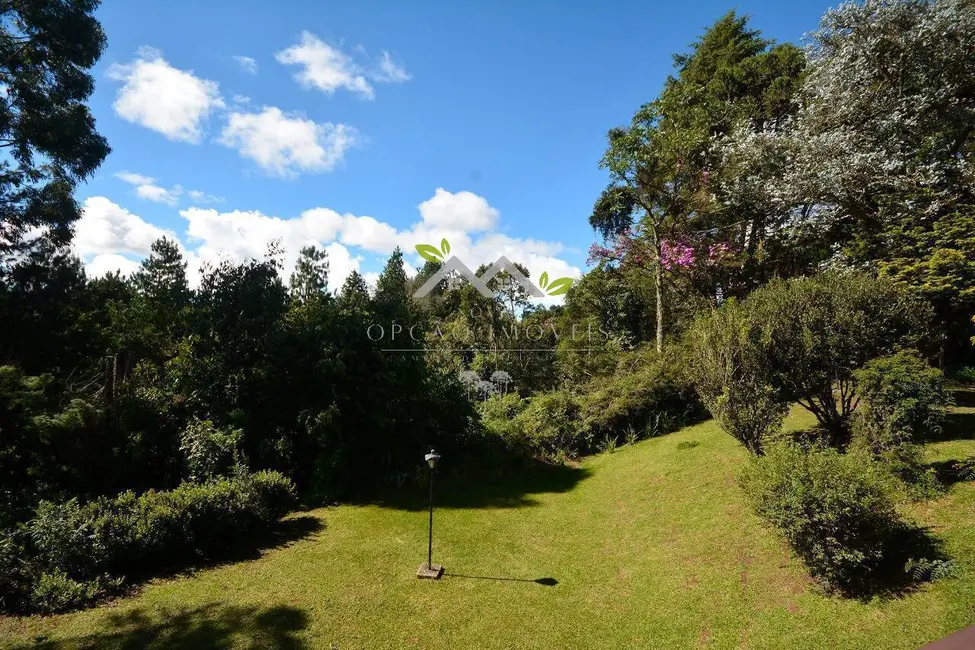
651	546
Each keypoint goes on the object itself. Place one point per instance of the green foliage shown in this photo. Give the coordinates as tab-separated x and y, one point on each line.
71	552
210	451
835	510
805	337
647	395
46	50
902	402
733	376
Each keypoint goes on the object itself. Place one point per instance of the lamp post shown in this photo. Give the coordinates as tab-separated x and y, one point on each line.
430	570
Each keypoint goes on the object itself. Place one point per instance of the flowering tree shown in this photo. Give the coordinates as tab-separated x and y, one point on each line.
661	164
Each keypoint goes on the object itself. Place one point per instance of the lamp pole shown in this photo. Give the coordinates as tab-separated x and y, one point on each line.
430	536
430	570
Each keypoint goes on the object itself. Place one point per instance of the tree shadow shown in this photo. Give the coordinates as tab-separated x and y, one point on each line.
211	626
958	426
913	557
483	489
546	582
954	471
282	535
964	396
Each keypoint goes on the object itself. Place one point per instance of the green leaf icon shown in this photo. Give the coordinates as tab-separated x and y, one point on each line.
560	286
543	279
445	247
428	252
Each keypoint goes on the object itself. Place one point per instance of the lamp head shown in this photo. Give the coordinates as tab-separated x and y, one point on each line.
432	458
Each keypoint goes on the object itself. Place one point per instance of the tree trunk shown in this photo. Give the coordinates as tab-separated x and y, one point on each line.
658	282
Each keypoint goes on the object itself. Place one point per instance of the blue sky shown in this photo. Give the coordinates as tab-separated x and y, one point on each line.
361	126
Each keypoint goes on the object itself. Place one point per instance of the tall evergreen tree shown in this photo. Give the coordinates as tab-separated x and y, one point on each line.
47	132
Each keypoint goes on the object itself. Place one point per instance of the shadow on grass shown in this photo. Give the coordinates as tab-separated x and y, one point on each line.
914	557
511	489
954	471
212	626
964	396
546	582
285	533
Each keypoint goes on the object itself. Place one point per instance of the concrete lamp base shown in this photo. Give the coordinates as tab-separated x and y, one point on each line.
429	571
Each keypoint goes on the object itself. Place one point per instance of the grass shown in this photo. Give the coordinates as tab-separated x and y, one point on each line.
651	547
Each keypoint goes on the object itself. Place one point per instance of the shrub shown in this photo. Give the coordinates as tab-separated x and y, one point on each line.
56	592
649	394
903	400
966	374
551	424
210	451
733	377
74	551
835	510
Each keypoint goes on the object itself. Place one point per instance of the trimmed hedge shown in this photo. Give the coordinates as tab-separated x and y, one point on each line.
70	552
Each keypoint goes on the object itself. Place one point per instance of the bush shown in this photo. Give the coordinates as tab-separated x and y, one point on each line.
649	394
902	400
835	510
210	451
73	551
552	425
733	377
965	374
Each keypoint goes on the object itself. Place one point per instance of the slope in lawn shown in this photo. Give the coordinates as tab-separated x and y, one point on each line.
649	547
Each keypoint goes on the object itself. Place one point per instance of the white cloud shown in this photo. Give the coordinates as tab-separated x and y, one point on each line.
284	145
106	228
467	220
464	211
160	97
196	196
135	179
327	68
247	64
324	67
146	188
109	263
390	72
242	100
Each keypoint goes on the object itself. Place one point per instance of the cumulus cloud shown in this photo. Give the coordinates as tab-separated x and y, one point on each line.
246	63
160	97
146	188
467	220
327	68
106	263
464	211
108	228
283	144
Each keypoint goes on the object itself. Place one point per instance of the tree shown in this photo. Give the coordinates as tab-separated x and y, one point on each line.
661	164
310	277
813	333
392	289
47	132
733	376
876	166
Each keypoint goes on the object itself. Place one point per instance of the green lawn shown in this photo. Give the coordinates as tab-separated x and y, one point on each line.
652	547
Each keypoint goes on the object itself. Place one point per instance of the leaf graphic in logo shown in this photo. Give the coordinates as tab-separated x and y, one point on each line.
560	286
543	279
445	247
428	252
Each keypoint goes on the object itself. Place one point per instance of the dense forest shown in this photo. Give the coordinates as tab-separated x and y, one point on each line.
777	222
